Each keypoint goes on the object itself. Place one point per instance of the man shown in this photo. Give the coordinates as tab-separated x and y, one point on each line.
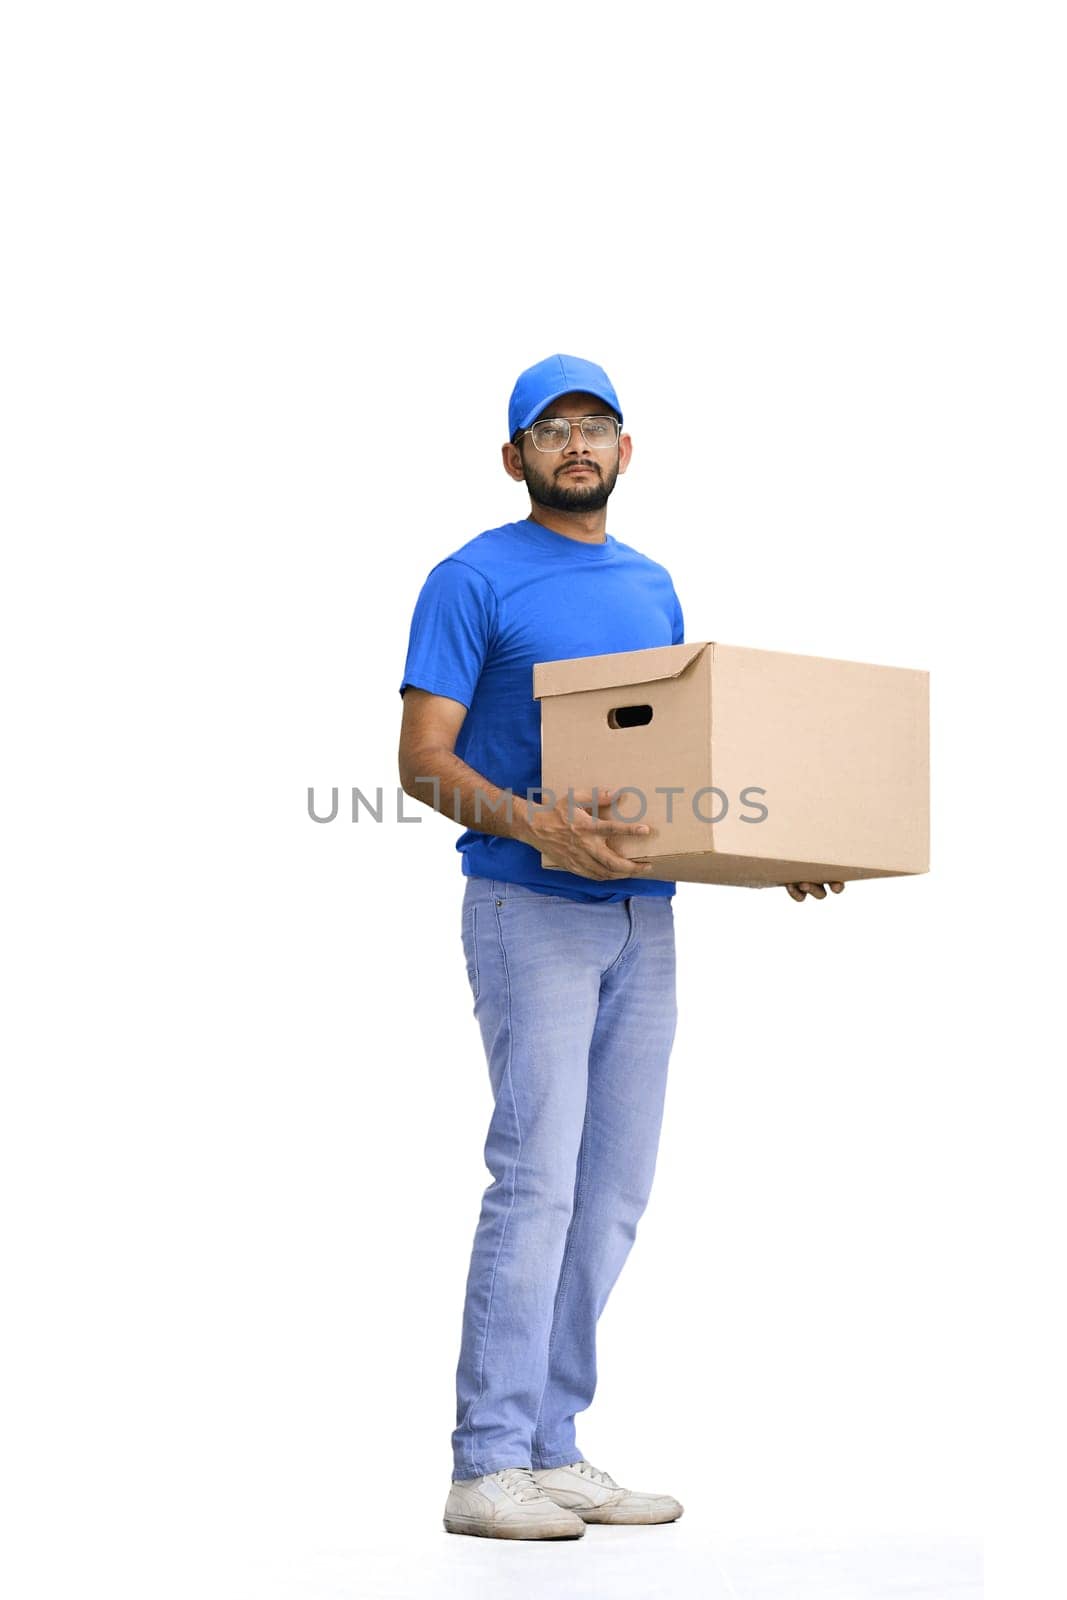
572	970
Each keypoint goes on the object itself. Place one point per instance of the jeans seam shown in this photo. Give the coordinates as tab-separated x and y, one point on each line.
631	940
511	1206
471	942
568	1257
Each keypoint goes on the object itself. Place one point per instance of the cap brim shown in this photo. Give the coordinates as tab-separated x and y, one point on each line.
550	399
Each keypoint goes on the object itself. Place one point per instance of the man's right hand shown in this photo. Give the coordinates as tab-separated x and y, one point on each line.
576	841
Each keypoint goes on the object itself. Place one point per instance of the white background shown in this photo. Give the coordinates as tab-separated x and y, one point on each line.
270	274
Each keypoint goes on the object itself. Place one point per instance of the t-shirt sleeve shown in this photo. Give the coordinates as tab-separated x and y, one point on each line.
678	630
451	631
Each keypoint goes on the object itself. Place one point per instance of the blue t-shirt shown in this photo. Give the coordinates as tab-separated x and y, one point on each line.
509	597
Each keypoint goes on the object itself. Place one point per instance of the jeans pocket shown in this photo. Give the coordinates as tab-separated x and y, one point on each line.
470	946
519	891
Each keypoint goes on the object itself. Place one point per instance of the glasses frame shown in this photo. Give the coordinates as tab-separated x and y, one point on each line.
597	416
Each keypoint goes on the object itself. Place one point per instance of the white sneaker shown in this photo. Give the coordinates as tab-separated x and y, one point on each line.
508	1504
594	1496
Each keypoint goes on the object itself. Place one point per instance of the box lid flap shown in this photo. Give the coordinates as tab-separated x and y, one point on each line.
580	673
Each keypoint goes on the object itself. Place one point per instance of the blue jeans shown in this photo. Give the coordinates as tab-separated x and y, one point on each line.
576	1004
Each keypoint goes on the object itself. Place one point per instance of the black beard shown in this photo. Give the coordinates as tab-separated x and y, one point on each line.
561	496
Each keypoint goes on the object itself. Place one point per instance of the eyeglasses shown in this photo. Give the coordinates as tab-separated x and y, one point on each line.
554	433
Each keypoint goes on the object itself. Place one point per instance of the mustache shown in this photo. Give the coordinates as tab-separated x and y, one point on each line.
590	466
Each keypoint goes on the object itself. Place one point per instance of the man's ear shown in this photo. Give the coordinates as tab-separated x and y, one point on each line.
626	446
511	456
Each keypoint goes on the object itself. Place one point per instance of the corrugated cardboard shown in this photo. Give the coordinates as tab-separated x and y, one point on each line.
841	749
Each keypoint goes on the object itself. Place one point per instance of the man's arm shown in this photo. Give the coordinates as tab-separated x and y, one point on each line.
430	771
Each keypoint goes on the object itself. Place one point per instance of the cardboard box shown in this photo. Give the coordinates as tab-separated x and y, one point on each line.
839	749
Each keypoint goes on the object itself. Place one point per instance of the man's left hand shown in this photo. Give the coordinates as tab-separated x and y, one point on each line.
800	891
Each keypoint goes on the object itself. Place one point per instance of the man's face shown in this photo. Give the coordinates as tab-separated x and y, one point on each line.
577	478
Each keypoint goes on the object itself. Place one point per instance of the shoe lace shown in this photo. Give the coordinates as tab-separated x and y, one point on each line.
587	1470
521	1482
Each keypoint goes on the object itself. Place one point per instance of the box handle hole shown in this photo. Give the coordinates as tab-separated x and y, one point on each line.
629	716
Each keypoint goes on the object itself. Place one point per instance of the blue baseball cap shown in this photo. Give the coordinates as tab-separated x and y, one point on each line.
538	386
